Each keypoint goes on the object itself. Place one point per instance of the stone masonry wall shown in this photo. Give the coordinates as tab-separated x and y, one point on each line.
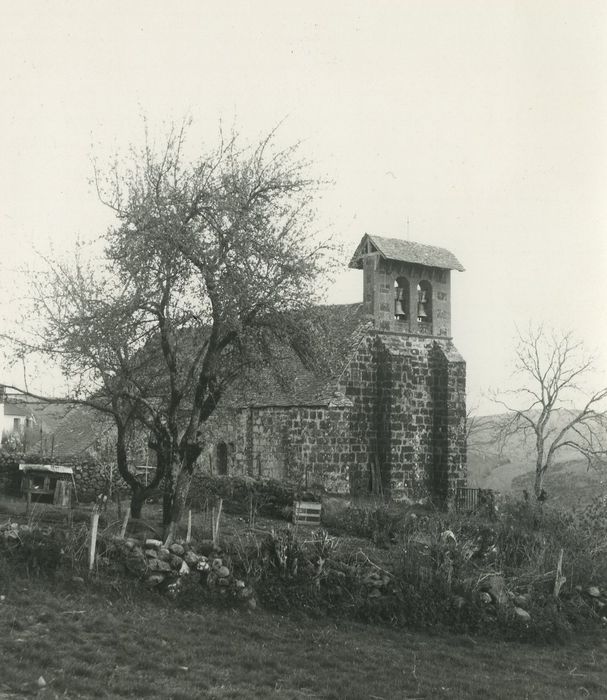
408	415
379	295
229	426
451	375
393	407
402	413
305	445
358	383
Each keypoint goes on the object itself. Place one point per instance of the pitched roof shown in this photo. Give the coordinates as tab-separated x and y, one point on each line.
406	251
70	430
48	414
16	407
303	371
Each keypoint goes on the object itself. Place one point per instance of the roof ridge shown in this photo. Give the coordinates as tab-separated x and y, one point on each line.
406	251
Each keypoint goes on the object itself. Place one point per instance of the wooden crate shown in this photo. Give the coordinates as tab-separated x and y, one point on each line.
306	513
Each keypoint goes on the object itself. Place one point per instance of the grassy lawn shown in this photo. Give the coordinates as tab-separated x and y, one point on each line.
109	640
89	641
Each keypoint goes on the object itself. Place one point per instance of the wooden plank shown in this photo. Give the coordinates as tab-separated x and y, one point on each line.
62	495
305	513
308	507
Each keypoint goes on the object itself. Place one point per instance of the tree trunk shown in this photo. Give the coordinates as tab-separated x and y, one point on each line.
175	495
137	501
540	467
539	483
167	497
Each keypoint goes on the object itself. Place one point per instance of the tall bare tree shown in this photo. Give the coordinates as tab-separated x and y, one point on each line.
479	431
550	405
206	258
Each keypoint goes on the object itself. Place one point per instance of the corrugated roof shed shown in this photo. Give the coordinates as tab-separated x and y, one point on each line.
406	251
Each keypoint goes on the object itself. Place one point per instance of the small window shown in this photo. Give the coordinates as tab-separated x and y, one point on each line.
28	422
401	299
16	423
222	459
424	302
37	481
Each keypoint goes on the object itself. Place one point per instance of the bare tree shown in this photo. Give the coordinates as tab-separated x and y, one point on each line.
479	431
551	406
205	263
92	327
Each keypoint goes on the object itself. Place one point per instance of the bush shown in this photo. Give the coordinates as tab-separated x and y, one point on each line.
37	551
529	537
381	523
243	494
461	571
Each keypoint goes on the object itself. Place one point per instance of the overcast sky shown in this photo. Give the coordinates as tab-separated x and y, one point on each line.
484	124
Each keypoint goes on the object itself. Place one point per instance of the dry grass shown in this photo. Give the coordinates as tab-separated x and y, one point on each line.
14	509
115	639
94	641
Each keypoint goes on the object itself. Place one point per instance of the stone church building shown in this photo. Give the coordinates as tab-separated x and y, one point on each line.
385	409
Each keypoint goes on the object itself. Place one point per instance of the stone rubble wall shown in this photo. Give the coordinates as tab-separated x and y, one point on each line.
230	426
401	415
310	445
91	478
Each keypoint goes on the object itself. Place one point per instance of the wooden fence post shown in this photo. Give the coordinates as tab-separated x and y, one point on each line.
127	515
216	522
93	540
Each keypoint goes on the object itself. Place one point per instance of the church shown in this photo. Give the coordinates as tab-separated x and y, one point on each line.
385	410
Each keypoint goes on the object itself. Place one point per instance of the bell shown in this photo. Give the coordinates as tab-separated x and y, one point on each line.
399	308
421	310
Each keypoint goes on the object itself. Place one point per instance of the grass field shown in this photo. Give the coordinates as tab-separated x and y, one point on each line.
104	639
89	640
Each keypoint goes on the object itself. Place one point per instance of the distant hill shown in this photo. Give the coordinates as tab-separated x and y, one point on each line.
512	468
570	484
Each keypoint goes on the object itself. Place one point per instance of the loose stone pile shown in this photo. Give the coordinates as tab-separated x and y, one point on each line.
11	531
595	597
166	567
378	584
12	534
492	590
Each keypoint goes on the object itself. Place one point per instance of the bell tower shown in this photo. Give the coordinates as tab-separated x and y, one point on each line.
406	285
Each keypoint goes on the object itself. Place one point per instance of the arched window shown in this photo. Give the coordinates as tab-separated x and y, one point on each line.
424	302
222	459
401	299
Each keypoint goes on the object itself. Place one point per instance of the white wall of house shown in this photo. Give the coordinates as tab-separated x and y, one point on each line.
11	424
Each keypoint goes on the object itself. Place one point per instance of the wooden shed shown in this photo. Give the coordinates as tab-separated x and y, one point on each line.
47	483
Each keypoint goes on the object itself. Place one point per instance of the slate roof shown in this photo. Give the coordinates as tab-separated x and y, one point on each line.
305	371
15	407
407	251
71	430
48	415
